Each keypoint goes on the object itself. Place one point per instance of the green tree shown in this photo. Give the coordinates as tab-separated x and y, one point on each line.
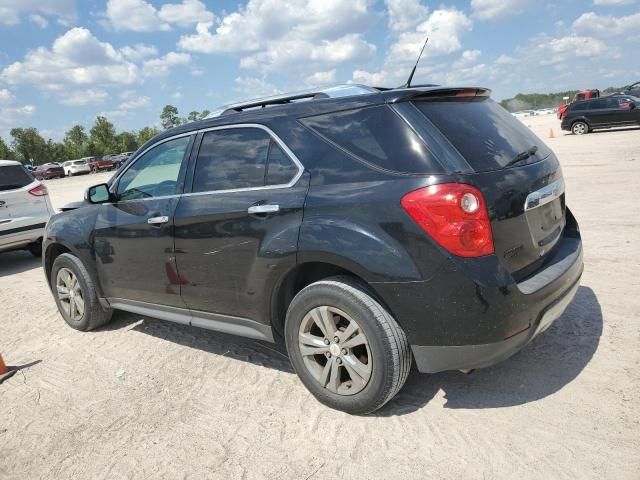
5	152
193	116
127	142
75	142
103	136
169	117
204	114
55	152
146	134
29	145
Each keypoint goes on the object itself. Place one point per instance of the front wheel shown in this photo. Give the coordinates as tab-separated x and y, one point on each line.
75	294
580	128
345	346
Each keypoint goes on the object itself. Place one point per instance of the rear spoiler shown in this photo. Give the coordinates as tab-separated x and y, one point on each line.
435	93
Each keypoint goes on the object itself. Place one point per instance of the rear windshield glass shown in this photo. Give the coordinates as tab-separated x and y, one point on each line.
14	176
484	133
377	136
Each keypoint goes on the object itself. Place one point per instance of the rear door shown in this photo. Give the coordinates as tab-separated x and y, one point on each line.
133	236
237	229
525	197
599	113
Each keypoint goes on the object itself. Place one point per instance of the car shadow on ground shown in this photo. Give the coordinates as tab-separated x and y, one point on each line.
543	367
18	261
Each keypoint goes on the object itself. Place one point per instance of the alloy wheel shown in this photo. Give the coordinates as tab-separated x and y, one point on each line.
70	294
335	350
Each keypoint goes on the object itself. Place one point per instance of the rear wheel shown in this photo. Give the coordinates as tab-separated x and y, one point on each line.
75	294
580	128
345	346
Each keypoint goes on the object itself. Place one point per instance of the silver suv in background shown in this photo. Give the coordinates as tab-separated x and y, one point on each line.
25	209
76	167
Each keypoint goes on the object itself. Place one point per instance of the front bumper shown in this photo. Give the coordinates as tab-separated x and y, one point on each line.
432	359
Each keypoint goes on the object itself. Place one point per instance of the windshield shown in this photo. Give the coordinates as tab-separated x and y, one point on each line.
79	162
484	133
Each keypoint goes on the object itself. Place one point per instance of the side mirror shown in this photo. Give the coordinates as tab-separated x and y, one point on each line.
98	194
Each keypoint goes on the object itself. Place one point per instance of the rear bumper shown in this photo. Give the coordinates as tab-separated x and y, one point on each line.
473	314
432	359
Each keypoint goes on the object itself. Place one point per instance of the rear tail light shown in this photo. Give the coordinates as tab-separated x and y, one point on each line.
39	191
455	215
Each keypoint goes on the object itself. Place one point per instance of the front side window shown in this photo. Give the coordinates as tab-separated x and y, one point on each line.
238	158
155	174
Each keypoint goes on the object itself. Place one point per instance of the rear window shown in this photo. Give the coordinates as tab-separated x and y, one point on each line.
377	136
484	133
13	177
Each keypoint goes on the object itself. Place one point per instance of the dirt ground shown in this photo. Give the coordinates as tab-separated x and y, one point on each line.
143	398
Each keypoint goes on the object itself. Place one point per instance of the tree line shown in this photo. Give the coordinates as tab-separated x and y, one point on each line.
27	145
529	101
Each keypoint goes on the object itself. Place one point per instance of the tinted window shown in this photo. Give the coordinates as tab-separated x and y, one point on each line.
484	133
14	176
577	107
155	174
231	158
280	168
378	136
598	104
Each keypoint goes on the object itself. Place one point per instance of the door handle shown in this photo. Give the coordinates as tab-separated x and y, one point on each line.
158	220
262	209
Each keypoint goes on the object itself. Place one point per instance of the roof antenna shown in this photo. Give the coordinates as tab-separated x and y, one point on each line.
413	71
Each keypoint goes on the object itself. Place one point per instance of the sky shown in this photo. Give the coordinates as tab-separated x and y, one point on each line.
63	62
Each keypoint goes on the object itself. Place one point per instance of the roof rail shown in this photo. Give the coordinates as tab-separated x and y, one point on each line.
282	99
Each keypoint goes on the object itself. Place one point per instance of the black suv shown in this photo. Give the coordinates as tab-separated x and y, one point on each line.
366	228
604	112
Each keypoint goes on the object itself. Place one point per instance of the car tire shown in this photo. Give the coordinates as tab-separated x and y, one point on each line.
365	364
92	315
580	128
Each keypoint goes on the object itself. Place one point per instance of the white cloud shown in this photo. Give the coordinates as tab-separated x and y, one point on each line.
75	58
322	78
12	115
136	15
6	97
187	13
613	2
596	25
497	9
161	66
139	52
11	10
129	106
81	98
506	60
251	87
294	34
405	14
39	20
136	103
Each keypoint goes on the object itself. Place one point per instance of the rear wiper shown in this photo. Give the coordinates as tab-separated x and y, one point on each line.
522	156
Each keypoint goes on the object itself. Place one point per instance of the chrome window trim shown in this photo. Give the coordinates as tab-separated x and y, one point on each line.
292	156
545	195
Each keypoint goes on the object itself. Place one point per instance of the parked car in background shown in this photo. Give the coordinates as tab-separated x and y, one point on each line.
25	208
48	171
251	222
632	90
604	112
76	167
99	164
584	95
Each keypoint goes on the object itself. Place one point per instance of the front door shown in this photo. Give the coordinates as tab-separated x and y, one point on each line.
133	239
238	228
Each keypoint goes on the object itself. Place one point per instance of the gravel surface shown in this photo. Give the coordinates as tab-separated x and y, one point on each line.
143	398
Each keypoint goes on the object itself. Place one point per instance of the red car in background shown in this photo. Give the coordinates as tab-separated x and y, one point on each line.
48	170
585	95
99	164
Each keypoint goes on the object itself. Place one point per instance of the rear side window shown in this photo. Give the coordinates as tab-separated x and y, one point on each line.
235	158
378	136
484	133
13	177
578	107
598	104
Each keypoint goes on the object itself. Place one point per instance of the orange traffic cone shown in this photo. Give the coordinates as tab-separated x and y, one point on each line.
551	135
5	372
